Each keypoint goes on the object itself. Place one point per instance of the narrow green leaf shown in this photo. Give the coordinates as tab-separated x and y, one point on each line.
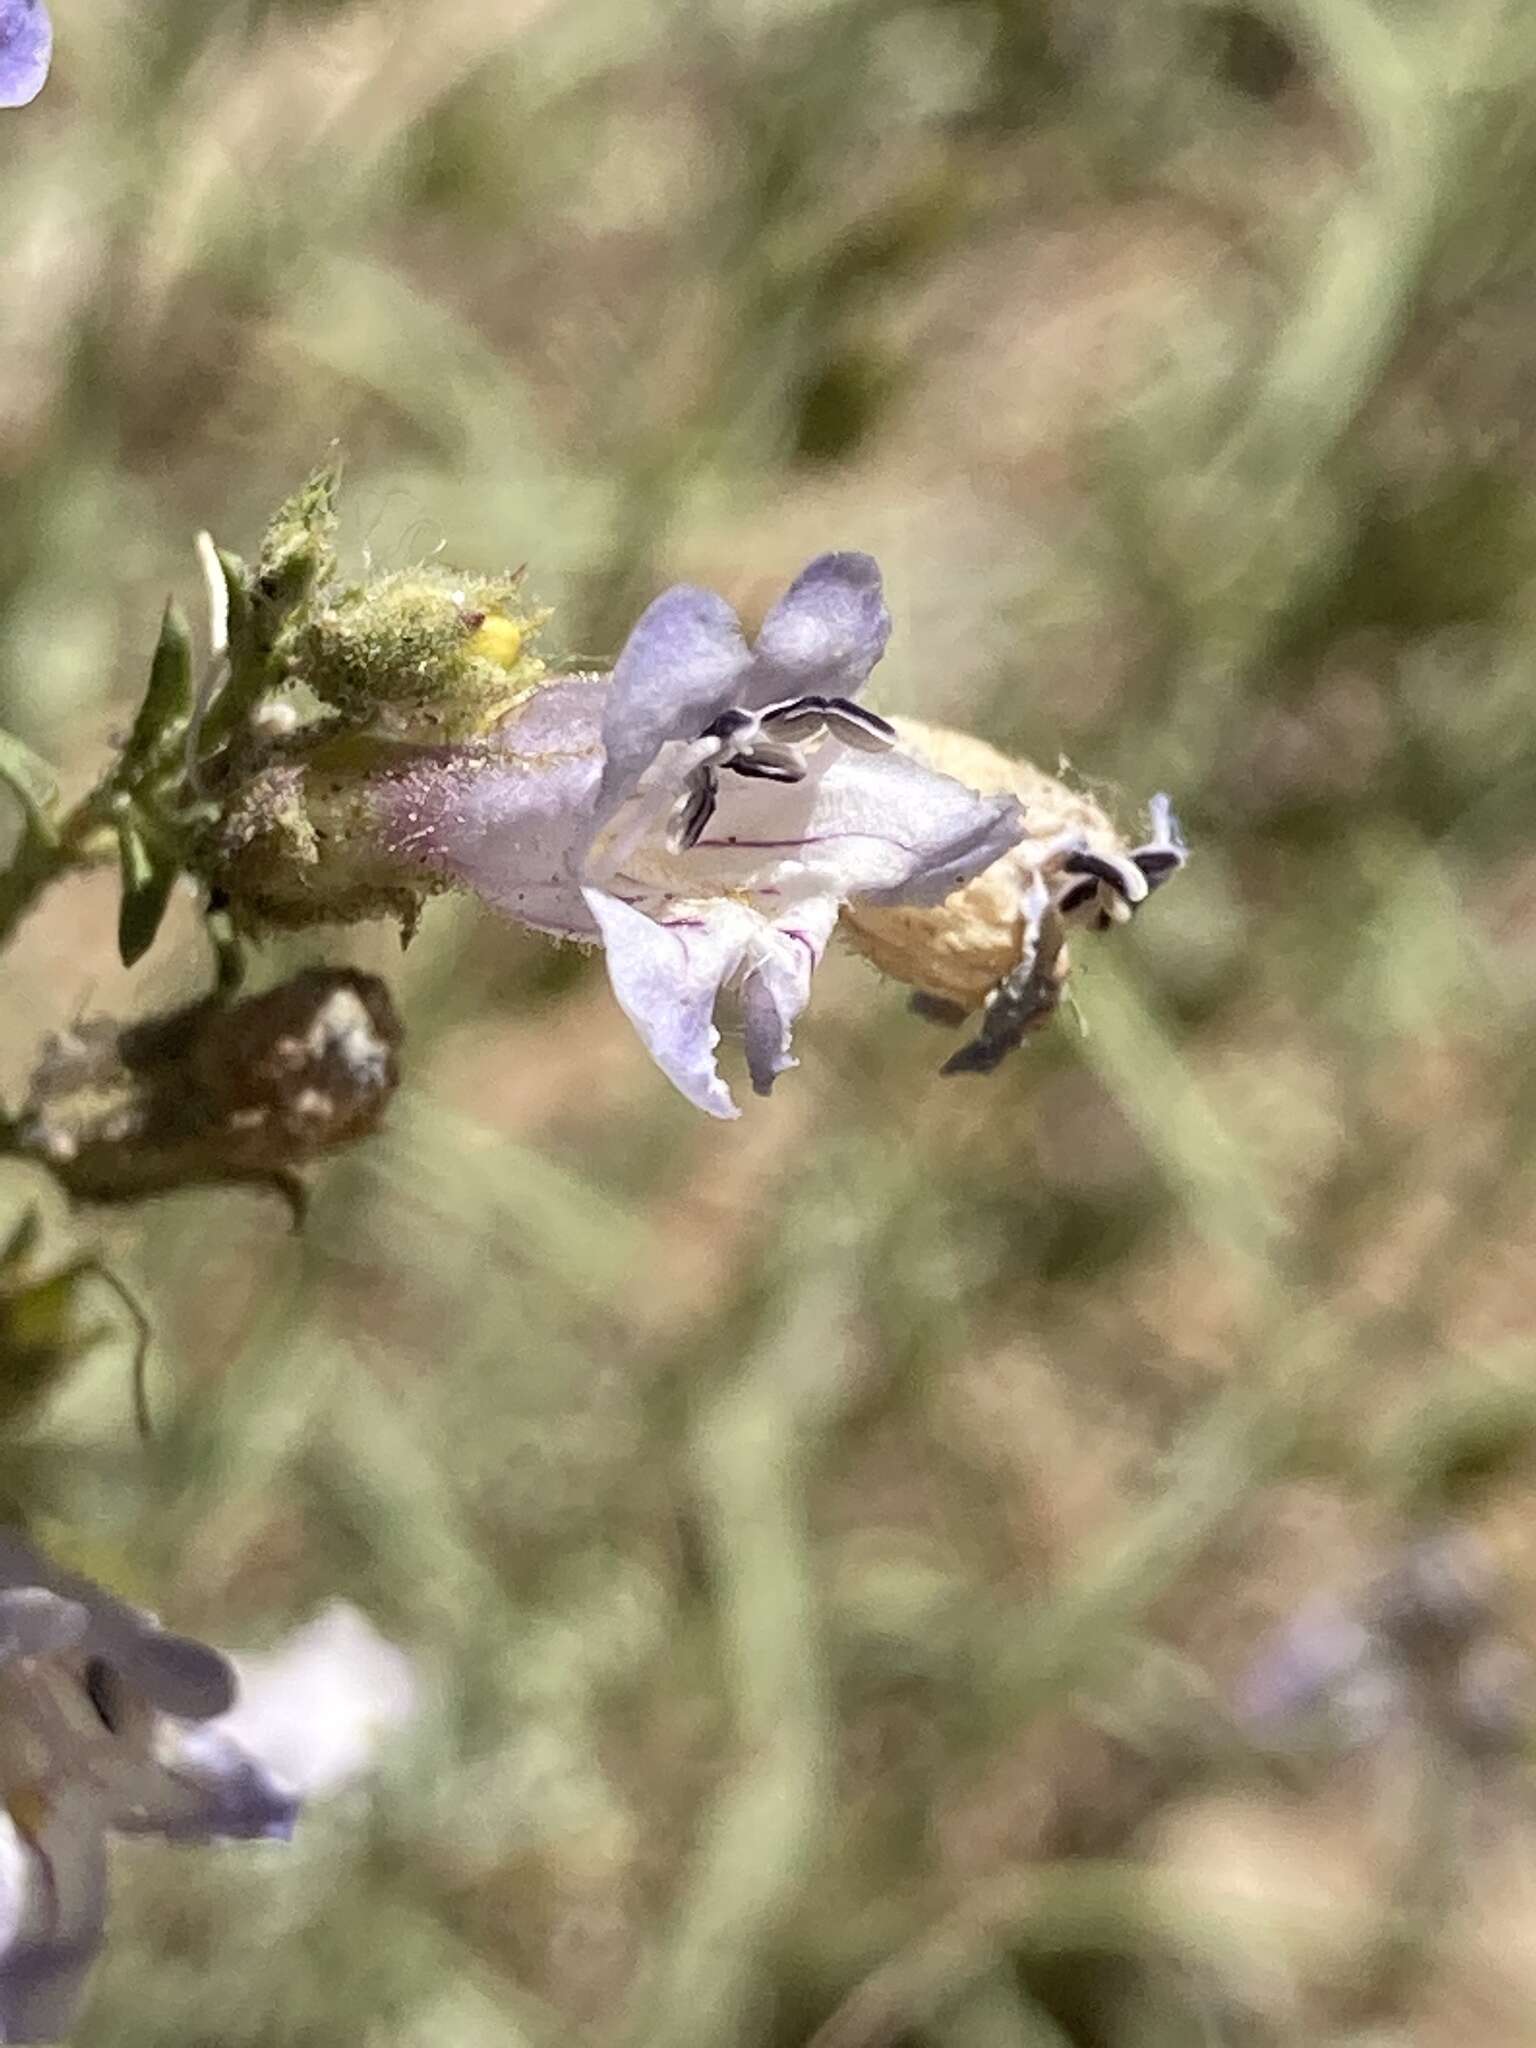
31	780
148	876
168	700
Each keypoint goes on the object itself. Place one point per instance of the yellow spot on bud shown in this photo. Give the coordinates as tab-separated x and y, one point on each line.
498	639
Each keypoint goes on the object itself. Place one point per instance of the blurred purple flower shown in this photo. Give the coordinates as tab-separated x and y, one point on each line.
1325	1662
1420	1641
26	47
704	813
110	1724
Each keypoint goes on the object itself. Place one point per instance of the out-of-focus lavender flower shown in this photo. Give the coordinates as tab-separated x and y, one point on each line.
26	48
704	814
108	1723
1420	1642
315	1709
1324	1663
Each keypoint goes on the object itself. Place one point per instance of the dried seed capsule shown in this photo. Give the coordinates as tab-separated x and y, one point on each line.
248	1091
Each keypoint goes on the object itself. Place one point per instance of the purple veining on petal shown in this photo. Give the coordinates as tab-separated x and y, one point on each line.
26	50
877	826
669	972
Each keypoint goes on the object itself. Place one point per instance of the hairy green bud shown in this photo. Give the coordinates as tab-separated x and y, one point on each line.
424	654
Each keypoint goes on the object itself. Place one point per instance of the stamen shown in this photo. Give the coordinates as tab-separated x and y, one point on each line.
101	1691
800	719
771	763
689	820
857	727
1078	897
1123	876
1157	863
1165	852
730	725
765	771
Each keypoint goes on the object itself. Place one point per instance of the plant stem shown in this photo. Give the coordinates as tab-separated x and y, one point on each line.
41	859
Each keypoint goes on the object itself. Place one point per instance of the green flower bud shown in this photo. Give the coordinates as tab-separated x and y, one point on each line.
424	654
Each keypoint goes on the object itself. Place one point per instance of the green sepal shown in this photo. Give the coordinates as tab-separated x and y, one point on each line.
149	873
236	582
167	704
298	554
247	673
32	782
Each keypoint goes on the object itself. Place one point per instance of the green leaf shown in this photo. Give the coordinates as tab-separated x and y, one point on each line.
167	701
149	872
31	780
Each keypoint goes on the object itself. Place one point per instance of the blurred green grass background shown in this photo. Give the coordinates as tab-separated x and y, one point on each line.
846	1524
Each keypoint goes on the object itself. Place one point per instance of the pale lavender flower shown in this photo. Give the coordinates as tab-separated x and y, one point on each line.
26	48
315	1709
1420	1642
704	813
110	1724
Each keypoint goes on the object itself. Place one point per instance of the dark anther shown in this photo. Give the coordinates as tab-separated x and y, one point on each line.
729	725
697	812
760	770
803	717
1086	863
1157	863
101	1691
1076	897
844	712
